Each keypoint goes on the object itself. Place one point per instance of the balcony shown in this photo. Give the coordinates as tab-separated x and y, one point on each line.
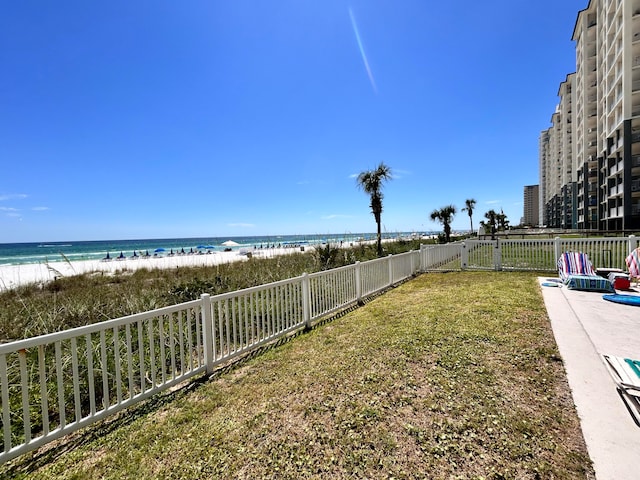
615	169
615	212
615	191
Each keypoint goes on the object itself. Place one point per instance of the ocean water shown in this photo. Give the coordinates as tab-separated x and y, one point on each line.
23	253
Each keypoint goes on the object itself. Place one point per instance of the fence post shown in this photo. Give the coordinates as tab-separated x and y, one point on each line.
207	331
389	260
556	248
497	256
412	263
358	283
306	300
633	243
464	257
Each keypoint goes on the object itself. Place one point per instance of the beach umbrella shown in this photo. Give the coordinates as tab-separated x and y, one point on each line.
230	243
208	247
159	250
201	246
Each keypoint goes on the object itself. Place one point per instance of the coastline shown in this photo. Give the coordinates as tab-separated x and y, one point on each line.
12	276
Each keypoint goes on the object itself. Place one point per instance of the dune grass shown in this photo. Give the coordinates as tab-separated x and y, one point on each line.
32	310
447	376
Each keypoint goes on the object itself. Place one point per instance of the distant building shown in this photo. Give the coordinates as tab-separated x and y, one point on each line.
589	158
531	206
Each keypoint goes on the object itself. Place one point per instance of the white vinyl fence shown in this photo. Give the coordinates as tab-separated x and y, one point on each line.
57	383
534	255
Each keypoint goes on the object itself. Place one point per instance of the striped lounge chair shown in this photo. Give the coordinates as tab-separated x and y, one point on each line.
577	273
633	264
626	374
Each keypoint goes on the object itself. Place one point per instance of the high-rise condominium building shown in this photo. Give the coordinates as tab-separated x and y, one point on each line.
531	215
590	156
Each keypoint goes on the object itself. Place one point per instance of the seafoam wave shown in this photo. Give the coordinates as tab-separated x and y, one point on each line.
41	252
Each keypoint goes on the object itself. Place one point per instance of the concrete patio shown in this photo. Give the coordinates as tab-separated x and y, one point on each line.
585	327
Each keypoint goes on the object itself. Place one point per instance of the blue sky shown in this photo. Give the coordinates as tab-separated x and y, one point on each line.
157	118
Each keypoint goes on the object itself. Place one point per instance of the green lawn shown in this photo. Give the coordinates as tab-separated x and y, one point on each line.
451	375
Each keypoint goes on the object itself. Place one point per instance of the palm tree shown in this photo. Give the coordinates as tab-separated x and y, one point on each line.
491	215
501	218
371	182
470	205
445	217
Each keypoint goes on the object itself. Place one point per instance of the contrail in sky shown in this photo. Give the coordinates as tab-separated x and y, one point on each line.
364	56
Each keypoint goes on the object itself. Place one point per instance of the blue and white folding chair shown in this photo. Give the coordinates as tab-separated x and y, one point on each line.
577	273
626	374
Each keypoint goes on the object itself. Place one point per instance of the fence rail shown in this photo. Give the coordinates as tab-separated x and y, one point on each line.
55	384
532	254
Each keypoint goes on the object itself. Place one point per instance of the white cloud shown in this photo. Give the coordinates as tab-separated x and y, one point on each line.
335	215
11	212
399	173
40	209
12	196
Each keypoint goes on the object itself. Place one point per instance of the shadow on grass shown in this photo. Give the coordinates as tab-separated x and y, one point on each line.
31	462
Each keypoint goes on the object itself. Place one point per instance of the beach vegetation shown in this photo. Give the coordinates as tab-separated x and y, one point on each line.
410	385
328	256
491	222
82	299
445	216
469	207
503	222
497	222
371	182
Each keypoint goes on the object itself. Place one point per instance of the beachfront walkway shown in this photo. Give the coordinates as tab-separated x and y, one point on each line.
585	327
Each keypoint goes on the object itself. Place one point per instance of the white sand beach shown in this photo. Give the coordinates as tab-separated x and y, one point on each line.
12	276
